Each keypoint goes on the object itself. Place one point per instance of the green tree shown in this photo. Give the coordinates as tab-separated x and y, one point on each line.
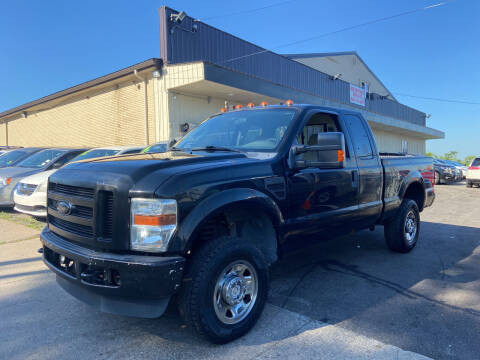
451	155
430	154
468	160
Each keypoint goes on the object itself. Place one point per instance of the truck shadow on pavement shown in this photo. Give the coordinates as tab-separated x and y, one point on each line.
426	301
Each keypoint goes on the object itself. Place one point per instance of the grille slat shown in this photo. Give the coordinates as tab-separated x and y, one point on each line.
76	229
71	190
108	215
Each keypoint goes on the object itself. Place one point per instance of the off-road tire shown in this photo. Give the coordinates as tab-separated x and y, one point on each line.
394	230
195	300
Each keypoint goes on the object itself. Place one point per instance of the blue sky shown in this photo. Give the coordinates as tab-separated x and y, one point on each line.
48	46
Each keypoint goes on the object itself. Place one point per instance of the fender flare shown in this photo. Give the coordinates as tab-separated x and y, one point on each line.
413	177
215	203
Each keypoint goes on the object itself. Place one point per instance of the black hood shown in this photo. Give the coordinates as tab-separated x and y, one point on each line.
133	170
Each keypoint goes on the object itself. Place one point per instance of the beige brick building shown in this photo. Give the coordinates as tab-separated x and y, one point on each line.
154	100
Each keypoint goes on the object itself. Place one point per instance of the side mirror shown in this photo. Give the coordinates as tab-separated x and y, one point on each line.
329	153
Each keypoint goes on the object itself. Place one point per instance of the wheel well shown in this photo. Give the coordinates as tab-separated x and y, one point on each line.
243	220
416	192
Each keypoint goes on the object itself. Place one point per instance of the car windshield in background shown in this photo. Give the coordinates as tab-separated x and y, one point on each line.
247	130
11	157
96	153
158	148
41	159
476	162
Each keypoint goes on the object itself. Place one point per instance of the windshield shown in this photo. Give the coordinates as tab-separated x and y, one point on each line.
476	162
157	148
12	157
41	159
96	153
248	130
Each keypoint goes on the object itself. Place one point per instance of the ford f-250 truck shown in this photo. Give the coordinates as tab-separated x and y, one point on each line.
200	224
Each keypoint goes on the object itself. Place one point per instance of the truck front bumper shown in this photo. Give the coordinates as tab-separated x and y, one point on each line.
123	284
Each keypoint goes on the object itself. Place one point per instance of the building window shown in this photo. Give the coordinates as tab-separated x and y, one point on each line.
404	146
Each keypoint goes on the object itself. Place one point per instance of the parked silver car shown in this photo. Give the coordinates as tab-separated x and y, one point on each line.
47	159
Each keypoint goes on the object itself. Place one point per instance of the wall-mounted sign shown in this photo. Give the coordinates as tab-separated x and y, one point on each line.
357	95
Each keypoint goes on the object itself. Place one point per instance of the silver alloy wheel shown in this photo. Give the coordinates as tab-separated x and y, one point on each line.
235	292
410	229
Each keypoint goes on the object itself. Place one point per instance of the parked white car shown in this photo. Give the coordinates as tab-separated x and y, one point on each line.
30	195
473	173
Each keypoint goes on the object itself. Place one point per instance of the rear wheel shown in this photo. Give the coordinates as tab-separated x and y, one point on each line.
401	233
437	178
225	290
469	184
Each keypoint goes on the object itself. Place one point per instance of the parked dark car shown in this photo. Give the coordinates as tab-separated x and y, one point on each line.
43	160
445	173
13	157
202	223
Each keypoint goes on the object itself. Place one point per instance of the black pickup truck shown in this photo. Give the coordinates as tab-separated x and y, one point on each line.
200	224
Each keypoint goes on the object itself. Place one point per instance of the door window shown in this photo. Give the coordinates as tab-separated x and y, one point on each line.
359	135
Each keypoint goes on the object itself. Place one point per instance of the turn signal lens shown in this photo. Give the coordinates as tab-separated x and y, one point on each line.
251	105
155	220
263	103
8	181
289	102
340	155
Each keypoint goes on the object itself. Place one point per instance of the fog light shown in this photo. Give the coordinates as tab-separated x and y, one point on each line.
116	278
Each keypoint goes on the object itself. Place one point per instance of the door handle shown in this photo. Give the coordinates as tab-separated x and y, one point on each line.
355	178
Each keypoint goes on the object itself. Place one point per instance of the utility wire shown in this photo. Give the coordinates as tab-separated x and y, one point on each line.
439	99
348	28
248	10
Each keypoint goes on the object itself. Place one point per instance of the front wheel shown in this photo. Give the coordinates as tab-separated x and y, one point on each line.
437	178
401	233
469	184
225	289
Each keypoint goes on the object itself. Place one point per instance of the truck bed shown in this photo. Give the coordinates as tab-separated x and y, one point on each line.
398	167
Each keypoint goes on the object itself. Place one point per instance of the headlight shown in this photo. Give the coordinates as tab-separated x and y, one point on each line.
42	187
153	222
5	181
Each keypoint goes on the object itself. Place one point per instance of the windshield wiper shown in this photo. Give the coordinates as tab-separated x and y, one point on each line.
215	148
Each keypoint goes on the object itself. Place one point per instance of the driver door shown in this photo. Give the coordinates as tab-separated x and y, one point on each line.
322	200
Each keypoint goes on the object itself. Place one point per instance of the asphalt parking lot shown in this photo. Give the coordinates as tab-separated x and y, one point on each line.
344	299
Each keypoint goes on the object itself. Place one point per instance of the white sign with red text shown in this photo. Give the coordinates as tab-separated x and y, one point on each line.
357	95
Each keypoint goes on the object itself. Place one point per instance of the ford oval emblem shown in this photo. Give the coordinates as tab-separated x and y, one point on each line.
64	208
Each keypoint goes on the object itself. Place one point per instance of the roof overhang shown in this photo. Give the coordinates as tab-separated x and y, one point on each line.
223	83
106	79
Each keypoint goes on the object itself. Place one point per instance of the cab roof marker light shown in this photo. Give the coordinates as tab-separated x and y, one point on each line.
223	110
263	103
237	107
251	105
289	102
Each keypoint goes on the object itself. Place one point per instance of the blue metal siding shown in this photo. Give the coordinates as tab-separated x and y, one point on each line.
179	43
